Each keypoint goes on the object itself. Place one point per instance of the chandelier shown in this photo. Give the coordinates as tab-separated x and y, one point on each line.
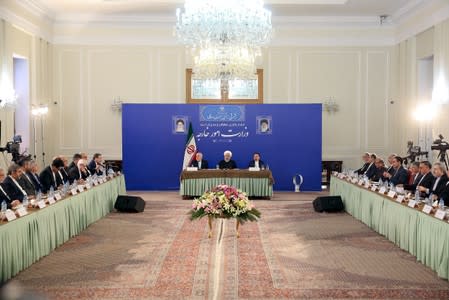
224	36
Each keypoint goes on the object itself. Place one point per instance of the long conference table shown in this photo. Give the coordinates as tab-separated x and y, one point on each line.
254	183
422	235
27	239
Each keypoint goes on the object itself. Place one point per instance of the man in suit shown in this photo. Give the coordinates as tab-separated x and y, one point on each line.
49	177
33	174
227	162
3	195
64	170
390	158
12	187
256	162
400	174
438	183
96	164
366	159
2	175
414	174
25	181
78	173
380	169
75	159
199	162
371	170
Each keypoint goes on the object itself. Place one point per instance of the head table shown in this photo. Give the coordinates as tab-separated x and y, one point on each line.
25	240
419	233
253	183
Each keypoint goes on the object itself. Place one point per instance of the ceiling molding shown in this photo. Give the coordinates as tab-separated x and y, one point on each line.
36	8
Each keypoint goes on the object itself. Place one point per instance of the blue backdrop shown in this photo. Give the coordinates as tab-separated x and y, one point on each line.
154	137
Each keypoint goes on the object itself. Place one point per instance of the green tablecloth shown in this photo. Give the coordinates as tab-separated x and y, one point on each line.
422	235
27	239
255	184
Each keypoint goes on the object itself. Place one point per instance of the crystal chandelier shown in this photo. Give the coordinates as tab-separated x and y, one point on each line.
224	36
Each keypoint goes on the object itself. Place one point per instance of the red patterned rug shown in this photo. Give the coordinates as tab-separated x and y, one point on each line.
292	253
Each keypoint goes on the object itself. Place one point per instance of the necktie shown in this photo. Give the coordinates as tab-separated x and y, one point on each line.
436	184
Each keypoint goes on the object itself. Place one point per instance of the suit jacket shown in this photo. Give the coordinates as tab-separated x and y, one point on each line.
36	182
445	194
400	176
438	190
371	170
75	174
65	174
12	189
362	169
253	163
204	164
411	186
227	165
26	184
92	166
47	180
4	196
378	175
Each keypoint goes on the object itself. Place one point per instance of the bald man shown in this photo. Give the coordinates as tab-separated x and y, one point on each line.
227	162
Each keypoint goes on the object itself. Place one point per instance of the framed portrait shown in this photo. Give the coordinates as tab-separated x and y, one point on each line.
179	124
264	125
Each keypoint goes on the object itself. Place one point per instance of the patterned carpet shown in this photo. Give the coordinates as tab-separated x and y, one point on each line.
292	253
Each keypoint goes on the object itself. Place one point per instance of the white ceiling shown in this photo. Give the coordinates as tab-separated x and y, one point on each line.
58	8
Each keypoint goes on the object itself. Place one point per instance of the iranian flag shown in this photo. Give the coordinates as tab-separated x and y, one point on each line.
191	150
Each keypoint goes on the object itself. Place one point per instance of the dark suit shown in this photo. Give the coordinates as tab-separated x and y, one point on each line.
92	166
400	176
26	184
253	163
4	196
227	165
65	175
390	170
36	182
204	164
12	189
75	174
371	170
440	186
412	186
362	169
445	194
47	180
379	174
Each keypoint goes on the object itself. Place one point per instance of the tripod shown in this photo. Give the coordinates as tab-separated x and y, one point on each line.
443	157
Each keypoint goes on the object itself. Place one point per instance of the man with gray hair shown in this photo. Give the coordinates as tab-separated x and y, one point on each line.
438	183
12	187
227	162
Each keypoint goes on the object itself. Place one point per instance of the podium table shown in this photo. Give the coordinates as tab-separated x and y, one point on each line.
253	183
27	239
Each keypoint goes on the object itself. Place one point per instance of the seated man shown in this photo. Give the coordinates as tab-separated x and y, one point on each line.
64	170
390	168
25	181
366	163
76	157
413	173
33	174
380	169
199	162
11	186
371	170
78	173
227	162
400	174
256	162
424	180
438	183
96	165
49	177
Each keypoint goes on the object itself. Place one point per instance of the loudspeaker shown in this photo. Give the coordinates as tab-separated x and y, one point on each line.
129	204
328	204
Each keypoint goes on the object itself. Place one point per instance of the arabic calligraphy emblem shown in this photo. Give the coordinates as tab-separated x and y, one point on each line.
222	113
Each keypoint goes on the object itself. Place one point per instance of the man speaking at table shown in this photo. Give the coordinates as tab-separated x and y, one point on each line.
227	162
199	162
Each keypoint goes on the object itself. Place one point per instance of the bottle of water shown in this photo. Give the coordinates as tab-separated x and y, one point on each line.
51	193
4	206
267	167
391	186
38	196
429	200
25	201
417	195
441	204
381	182
110	172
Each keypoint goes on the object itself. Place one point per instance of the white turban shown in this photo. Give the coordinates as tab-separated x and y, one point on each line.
227	152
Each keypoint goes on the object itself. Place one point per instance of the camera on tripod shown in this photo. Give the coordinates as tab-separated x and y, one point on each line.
441	145
13	148
413	152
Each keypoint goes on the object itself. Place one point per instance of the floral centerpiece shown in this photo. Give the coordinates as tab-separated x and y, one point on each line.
226	202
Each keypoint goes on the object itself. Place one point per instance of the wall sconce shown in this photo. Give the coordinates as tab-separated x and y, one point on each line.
330	106
117	105
8	97
40	110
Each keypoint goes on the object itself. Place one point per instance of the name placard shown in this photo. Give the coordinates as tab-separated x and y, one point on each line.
58	197
382	190
73	191
341	176
88	186
191	169
367	185
22	212
10	215
440	214
354	180
427	209
391	194
51	200
400	199
361	182
41	204
412	203
80	188
374	188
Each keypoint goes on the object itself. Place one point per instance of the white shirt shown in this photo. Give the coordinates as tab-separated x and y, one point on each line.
436	184
256	164
199	164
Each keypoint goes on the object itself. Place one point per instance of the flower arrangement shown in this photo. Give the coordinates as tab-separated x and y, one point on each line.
224	201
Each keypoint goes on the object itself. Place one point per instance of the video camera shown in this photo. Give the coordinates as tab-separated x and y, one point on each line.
413	152
13	148
440	144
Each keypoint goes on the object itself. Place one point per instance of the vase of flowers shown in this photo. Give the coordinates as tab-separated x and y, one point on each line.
226	202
